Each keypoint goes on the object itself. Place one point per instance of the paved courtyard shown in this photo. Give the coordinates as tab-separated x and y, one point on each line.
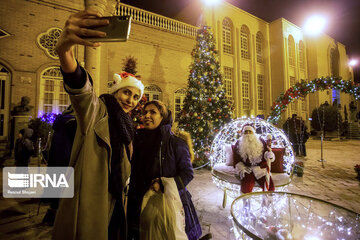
335	182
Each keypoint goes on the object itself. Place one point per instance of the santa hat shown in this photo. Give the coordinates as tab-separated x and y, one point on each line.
248	127
125	79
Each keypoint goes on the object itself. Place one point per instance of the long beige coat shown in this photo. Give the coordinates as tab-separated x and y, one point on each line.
87	214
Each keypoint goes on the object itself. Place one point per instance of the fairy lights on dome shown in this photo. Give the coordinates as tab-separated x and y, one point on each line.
231	132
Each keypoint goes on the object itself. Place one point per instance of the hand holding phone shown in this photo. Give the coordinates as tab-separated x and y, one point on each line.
118	29
77	27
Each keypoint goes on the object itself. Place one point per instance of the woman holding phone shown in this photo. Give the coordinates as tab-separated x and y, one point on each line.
103	141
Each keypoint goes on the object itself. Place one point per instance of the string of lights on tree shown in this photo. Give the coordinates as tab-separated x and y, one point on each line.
137	113
205	107
302	88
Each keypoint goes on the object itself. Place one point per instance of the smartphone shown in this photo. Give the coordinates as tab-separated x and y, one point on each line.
118	30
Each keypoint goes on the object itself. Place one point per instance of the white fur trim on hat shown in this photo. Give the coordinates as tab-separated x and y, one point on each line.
126	81
250	128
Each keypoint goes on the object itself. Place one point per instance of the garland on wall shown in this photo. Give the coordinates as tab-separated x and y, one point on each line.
303	88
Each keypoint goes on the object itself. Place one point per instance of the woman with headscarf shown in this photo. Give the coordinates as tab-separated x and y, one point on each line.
102	145
155	140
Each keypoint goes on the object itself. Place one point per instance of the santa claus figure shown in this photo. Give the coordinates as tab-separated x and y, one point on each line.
252	160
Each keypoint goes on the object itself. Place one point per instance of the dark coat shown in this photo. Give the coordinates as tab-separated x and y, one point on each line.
175	163
24	148
63	138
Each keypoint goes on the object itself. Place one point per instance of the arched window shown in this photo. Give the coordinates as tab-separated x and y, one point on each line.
332	62
301	55
228	79
153	92
227	36
259	48
53	98
244	35
293	105
245	89
179	102
291	47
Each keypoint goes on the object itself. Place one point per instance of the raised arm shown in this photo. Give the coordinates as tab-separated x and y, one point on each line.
76	27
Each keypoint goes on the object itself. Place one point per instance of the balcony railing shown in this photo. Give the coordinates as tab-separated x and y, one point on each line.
155	20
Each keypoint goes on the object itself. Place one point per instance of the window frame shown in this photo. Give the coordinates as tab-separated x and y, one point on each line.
51	77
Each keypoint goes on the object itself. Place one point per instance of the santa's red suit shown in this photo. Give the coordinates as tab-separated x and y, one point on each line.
253	168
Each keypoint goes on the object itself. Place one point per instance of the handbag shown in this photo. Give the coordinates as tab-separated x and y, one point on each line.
162	214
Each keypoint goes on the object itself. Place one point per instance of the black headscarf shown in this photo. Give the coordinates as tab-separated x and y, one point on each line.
121	133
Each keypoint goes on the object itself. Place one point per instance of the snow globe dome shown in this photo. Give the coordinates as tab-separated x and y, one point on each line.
223	171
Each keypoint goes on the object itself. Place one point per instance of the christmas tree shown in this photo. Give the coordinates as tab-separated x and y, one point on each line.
205	108
130	65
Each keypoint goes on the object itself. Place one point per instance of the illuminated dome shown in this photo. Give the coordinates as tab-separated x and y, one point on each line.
223	174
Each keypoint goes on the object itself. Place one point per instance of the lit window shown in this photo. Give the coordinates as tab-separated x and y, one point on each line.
227	36
245	90
259	48
245	42
293	104
228	78
301	55
332	62
153	92
291	46
260	92
53	98
179	102
304	105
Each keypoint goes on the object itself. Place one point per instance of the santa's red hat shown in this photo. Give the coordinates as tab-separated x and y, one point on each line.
125	79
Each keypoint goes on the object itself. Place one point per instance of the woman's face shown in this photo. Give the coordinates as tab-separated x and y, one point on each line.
128	97
152	117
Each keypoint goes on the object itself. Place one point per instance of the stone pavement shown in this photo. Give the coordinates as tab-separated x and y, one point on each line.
334	183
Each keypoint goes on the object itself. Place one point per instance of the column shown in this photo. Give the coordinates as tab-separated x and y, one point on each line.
93	55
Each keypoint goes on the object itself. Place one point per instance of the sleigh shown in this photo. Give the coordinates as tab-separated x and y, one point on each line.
221	156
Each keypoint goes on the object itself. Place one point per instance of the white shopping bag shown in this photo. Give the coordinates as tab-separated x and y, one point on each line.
162	214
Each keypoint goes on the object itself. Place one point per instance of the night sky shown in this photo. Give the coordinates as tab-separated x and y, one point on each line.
343	24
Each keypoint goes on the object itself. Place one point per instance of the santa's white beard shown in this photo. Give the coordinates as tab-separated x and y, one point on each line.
251	147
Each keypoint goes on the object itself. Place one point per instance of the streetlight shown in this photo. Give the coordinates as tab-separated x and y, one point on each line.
353	62
315	25
211	2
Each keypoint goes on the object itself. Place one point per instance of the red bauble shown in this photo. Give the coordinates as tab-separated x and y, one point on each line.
209	99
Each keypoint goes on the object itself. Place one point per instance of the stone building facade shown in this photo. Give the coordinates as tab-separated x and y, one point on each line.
259	60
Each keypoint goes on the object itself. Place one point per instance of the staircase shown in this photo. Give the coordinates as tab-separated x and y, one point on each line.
354	131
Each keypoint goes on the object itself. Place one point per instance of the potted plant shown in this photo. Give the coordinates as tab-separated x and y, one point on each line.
357	170
299	169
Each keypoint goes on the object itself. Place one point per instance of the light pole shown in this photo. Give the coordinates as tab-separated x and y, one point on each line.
314	26
210	4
